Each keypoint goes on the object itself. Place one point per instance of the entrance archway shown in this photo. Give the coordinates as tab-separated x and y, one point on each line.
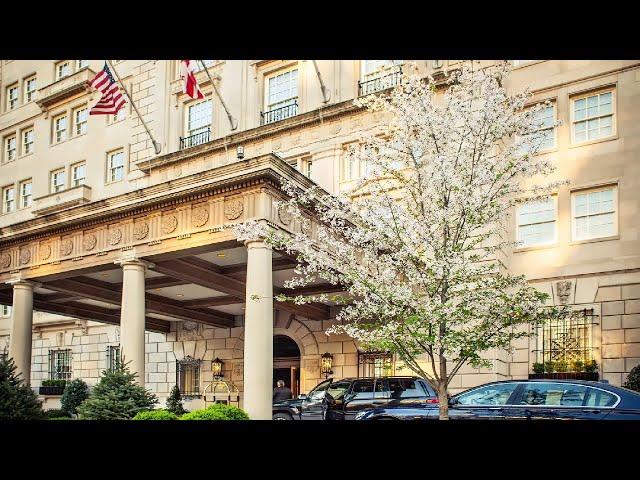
286	362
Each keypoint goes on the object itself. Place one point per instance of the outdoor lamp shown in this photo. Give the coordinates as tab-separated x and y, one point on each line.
240	152
216	368
326	364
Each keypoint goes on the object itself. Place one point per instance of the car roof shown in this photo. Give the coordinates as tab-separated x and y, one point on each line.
352	379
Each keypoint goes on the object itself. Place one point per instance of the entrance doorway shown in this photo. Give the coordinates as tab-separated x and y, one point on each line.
286	363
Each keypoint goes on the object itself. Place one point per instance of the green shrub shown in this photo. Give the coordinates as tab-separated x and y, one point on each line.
217	411
633	379
549	366
74	394
159	414
538	367
117	396
17	400
174	402
562	366
578	365
591	366
54	413
54	383
61	418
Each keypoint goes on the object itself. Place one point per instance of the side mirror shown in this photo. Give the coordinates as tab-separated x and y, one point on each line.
302	396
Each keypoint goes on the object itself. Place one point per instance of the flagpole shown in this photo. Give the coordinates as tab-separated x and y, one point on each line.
232	121
156	145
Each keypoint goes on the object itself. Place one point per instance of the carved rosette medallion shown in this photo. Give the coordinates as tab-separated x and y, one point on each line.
233	209
169	224
5	260
89	242
66	247
140	230
115	236
284	214
45	251
25	256
199	216
305	227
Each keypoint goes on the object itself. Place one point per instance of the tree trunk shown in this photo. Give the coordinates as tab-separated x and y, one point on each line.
443	402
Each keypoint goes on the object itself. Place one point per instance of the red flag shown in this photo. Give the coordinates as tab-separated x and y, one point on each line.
189	82
112	99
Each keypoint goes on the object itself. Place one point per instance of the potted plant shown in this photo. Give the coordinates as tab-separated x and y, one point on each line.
538	368
561	366
52	387
549	366
577	365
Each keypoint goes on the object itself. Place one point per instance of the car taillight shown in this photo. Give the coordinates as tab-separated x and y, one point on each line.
431	400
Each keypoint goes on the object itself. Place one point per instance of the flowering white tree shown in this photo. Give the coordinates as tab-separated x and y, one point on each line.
419	243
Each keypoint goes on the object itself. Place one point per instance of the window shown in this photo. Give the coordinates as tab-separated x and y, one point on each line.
436	63
405	388
121	115
188	376
593	117
10	150
594	213
199	118
338	389
497	394
29	88
81	64
537	222
115	166
281	96
27	141
308	167
567	343
59	128
375	364
12	97
348	167
6	310
8	199
198	65
366	389
80	121
25	194
556	394
63	69
378	75
78	174
60	364
58	180
113	356
546	118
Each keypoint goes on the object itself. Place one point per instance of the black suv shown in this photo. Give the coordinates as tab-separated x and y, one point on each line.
343	399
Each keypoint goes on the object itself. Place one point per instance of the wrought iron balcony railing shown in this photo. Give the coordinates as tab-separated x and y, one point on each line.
380	83
195	139
277	114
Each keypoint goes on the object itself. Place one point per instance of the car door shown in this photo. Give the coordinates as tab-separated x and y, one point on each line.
311	407
406	392
492	401
554	401
365	394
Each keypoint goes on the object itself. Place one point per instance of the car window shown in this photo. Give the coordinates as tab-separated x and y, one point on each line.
496	394
405	388
319	390
338	389
600	398
556	394
363	389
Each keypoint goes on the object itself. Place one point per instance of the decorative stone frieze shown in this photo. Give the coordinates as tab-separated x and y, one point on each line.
140	230
199	216
89	242
284	215
25	256
5	260
66	247
233	208
45	251
115	236
169	224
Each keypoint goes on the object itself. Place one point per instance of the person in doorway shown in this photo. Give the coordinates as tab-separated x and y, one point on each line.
281	392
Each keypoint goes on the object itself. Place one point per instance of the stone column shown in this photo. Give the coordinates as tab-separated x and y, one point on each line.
21	327
132	315
258	332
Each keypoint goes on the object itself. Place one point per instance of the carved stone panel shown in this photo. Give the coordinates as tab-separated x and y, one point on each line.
89	242
564	288
140	230
169	224
45	251
25	256
115	236
66	247
200	216
233	208
5	260
284	215
190	331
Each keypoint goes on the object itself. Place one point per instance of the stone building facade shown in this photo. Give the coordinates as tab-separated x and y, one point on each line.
107	227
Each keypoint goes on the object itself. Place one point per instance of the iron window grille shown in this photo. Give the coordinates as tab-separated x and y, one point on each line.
195	139
188	376
375	364
379	83
280	113
113	357
60	364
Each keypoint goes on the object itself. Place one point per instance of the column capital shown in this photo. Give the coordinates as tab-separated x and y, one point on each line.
20	283
256	243
133	261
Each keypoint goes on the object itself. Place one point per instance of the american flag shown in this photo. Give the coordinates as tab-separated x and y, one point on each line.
189	83
112	99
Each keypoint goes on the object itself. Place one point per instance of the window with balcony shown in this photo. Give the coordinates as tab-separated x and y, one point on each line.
593	116
281	96
8	199
58	180
27	141
115	166
78	174
59	128
63	69
198	124
188	376
80	116
595	213
26	197
198	65
29	88
377	75
12	97
537	222
10	148
60	364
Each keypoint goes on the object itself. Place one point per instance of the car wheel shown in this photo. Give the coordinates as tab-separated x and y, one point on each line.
281	416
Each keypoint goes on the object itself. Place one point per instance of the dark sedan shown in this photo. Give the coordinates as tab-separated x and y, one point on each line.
527	400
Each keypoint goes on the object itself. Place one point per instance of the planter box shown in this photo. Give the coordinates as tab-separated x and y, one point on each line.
593	376
51	390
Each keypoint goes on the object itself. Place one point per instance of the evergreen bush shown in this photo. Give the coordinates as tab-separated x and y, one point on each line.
54	413
633	379
17	400
174	402
74	394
